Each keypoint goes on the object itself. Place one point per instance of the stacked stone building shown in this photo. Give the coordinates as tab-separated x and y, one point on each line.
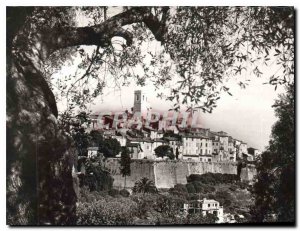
189	143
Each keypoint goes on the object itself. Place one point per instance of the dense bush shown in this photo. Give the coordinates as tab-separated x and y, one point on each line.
200	219
180	188
85	195
203	188
233	188
113	192
124	193
224	197
164	151
112	211
190	188
159	209
97	178
213	178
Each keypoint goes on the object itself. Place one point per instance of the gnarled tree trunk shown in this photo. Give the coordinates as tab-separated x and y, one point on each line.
39	155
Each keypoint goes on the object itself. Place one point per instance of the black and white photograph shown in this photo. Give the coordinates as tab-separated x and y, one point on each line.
150	115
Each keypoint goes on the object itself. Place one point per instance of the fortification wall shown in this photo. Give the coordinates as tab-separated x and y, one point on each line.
167	173
170	173
139	169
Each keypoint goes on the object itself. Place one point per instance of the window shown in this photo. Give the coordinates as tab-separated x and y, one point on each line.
208	205
200	159
206	145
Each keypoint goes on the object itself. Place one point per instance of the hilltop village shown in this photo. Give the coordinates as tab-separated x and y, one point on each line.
202	168
186	143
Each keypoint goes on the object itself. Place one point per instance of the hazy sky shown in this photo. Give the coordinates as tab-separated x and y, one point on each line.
247	115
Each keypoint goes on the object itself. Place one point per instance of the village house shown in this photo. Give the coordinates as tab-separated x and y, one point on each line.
196	144
243	148
146	145
135	151
176	144
254	152
192	143
231	149
93	152
205	207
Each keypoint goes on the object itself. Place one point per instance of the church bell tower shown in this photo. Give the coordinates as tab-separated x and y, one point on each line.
140	102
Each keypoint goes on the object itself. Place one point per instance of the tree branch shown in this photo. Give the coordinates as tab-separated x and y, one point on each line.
101	34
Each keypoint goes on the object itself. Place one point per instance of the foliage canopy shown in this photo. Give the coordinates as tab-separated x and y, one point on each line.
187	53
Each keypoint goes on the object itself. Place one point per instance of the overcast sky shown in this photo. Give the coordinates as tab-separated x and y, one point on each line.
247	115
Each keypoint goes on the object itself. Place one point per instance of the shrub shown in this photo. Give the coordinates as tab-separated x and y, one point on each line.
190	188
180	188
198	187
194	196
96	177
157	206
85	195
213	178
113	211
233	188
124	193
164	151
224	197
203	188
113	192
145	202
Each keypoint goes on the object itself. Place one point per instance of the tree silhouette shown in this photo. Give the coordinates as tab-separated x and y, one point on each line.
125	164
164	151
274	189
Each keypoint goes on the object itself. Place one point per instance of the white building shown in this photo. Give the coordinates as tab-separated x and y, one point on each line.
135	150
231	150
146	145
243	148
93	152
205	207
196	145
